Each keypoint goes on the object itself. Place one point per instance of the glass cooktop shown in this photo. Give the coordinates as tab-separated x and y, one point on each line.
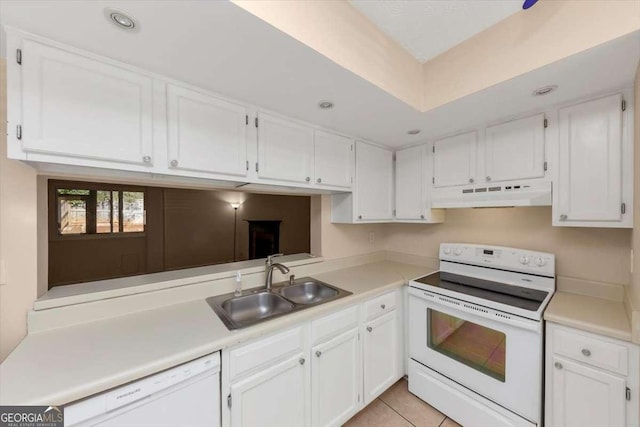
515	296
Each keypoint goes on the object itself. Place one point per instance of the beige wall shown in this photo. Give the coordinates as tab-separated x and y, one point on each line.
593	254
18	236
634	290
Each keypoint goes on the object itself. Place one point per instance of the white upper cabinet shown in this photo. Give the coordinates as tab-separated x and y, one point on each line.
374	183
413	179
333	159
594	185
75	106
206	134
454	160
285	150
514	150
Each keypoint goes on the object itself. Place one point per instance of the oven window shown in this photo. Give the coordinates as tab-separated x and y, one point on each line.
476	346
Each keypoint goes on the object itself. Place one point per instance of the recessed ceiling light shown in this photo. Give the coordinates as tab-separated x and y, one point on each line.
413	131
544	90
325	105
121	19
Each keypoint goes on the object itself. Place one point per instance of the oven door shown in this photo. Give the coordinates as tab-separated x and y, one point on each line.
490	352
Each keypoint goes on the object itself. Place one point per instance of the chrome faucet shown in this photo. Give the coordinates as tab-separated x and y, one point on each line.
269	278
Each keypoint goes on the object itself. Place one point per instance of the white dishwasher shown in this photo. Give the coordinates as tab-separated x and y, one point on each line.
187	396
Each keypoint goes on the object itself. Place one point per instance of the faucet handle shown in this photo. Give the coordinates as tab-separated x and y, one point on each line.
269	260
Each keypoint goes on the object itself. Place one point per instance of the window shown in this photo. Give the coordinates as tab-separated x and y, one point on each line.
82	210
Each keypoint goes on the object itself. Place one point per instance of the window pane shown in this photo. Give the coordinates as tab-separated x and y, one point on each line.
72	216
476	346
115	195
133	211
103	212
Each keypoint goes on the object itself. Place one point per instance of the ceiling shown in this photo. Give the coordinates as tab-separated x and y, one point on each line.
426	28
218	46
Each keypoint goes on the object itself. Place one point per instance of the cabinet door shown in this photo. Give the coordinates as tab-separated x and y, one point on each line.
380	355
410	183
454	160
374	182
515	150
333	159
590	162
335	379
79	107
285	150
586	397
206	134
274	397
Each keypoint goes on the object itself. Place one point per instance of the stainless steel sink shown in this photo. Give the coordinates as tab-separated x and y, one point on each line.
308	292
258	305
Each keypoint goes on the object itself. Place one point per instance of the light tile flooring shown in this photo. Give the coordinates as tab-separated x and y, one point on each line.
397	407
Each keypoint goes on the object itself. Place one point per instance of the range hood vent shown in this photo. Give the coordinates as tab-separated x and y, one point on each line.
494	196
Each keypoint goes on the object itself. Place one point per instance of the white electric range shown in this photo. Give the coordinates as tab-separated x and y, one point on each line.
476	334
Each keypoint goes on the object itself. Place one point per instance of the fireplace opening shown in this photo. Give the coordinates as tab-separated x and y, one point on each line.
264	238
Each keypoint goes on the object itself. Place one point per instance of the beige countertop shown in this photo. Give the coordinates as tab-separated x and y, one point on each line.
597	315
62	365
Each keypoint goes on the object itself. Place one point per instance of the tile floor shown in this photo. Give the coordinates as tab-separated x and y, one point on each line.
397	407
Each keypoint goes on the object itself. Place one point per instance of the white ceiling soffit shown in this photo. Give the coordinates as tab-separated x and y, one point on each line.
426	28
218	46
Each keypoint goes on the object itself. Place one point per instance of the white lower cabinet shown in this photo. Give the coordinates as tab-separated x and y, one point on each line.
591	381
380	355
336	379
276	396
319	373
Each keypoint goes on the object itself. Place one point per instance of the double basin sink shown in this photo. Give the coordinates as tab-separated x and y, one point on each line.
260	305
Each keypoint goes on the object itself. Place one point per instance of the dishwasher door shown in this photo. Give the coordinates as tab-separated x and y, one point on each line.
186	396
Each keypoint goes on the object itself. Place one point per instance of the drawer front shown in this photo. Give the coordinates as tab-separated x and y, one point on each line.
265	351
591	350
334	324
378	306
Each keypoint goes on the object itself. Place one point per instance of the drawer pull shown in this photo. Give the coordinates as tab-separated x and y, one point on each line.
382	306
586	352
301	360
318	353
369	328
558	365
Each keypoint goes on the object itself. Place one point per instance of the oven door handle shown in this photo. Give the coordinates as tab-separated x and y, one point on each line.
476	310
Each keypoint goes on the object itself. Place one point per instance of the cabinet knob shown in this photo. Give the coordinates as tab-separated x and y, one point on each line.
471	180
488	178
558	365
319	180
174	163
359	216
369	328
563	217
301	360
146	159
421	216
318	353
382	306
307	179
586	352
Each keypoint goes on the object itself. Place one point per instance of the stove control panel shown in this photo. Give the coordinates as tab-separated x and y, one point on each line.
510	259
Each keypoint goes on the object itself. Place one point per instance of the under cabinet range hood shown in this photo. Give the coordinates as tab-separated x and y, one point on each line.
493	196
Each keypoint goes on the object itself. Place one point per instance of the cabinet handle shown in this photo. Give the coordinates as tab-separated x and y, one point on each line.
318	353
563	217
369	328
382	306
471	180
146	159
319	180
301	360
488	178
174	163
586	352
307	179
558	365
